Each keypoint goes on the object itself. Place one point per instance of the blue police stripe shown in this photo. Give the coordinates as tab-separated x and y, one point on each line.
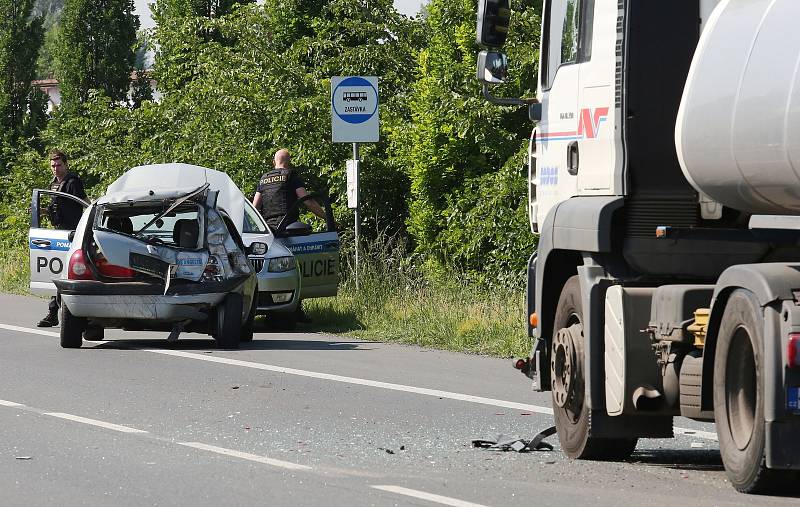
59	245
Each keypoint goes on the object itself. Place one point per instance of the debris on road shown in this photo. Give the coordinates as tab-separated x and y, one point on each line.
517	444
23	457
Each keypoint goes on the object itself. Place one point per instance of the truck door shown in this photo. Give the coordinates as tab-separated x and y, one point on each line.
557	135
48	246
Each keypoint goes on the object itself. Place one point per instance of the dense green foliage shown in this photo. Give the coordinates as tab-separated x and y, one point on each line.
464	155
95	50
241	79
20	39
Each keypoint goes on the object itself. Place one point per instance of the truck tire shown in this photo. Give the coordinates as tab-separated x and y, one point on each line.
71	329
572	417
739	398
248	328
228	322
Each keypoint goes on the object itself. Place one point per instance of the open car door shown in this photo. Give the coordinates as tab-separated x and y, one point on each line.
317	253
48	246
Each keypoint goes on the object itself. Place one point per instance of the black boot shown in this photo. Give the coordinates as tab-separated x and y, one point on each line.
50	320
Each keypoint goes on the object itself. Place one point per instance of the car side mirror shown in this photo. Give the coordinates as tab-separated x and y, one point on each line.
298	229
493	18
492	67
71	236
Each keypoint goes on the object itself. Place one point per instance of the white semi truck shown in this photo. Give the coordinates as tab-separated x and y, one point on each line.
665	283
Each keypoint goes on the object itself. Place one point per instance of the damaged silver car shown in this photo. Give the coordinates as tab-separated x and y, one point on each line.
156	257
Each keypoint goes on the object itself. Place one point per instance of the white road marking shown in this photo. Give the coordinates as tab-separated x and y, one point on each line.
706	435
444	500
358	381
244	455
29	330
95	422
7	403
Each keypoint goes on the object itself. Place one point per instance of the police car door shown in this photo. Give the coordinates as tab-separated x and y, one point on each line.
48	245
317	256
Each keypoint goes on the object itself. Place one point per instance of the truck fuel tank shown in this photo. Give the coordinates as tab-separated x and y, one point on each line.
738	128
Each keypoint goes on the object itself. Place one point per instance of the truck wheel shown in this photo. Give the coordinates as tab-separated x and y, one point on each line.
247	329
229	322
71	329
572	417
739	397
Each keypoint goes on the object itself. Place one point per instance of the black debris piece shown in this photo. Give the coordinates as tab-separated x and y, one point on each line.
506	443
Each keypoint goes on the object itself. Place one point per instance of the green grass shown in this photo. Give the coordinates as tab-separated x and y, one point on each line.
394	302
14	268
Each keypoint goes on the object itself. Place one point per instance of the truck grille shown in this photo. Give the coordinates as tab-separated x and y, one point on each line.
257	262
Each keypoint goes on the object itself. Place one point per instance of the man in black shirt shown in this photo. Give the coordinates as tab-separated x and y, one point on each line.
64	214
278	191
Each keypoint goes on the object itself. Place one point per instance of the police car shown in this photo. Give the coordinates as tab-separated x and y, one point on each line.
150	254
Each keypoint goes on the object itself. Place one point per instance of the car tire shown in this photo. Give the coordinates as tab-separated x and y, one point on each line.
94	333
229	322
248	328
72	328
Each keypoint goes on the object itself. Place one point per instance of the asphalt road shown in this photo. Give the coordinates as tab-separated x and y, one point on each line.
300	419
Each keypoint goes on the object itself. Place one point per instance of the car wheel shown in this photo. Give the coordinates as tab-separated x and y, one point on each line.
229	322
94	333
72	328
247	329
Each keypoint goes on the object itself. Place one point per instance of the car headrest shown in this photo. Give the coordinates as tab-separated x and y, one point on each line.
185	233
120	224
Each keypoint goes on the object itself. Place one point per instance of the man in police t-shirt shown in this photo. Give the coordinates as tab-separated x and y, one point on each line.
278	191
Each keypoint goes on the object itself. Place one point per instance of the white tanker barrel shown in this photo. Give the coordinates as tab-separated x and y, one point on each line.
738	127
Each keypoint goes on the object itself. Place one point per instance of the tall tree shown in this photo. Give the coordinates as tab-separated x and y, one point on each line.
96	49
181	27
20	40
463	155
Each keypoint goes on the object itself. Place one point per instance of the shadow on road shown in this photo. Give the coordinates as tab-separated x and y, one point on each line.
685	459
330	320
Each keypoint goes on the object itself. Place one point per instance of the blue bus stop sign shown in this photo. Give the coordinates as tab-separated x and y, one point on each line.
354	109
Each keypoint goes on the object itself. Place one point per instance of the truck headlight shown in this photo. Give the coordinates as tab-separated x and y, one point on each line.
280	264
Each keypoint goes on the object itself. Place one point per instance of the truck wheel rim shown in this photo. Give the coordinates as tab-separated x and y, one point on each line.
741	388
564	371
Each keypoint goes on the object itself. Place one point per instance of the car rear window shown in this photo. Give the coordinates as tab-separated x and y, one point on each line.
180	228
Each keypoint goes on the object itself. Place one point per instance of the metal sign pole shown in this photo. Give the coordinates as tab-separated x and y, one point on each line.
357	215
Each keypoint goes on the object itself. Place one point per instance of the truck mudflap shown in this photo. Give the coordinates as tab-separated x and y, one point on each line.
783	444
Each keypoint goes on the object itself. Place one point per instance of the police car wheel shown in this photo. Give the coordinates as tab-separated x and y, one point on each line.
229	322
72	329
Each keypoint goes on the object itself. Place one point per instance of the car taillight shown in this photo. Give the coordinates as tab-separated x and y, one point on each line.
213	270
112	270
793	350
78	270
